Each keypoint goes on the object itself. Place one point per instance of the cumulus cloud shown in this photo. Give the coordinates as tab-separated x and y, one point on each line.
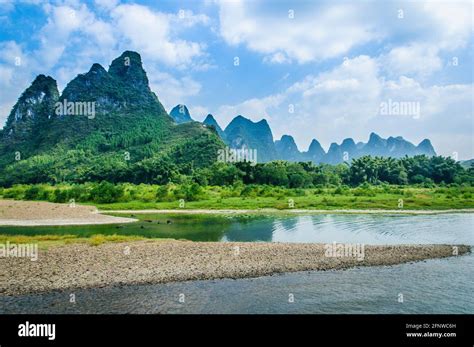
413	59
324	30
14	74
106	4
300	34
172	90
151	33
198	112
254	109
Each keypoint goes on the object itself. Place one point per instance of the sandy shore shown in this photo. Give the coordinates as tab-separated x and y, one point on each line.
291	211
83	266
36	213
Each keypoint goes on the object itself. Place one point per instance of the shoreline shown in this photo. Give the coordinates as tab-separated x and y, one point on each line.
41	213
83	266
287	211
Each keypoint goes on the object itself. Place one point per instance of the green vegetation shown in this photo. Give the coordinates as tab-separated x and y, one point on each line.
47	240
75	166
370	182
130	139
239	196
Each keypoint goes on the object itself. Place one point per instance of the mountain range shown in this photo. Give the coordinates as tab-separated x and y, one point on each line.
107	124
244	133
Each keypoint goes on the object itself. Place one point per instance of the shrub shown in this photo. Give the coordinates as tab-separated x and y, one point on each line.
60	195
106	192
33	193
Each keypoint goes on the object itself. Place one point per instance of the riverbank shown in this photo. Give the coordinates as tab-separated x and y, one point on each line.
39	213
288	211
248	197
36	213
145	262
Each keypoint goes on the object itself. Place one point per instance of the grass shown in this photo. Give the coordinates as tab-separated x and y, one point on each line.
143	196
412	199
48	240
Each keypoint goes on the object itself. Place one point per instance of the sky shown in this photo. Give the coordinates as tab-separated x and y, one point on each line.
312	69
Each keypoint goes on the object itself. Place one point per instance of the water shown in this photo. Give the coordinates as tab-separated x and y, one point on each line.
369	229
432	286
350	228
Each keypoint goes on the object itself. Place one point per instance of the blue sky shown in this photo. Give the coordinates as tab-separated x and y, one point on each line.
312	69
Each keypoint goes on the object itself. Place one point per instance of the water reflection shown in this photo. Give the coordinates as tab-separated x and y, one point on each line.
369	229
326	228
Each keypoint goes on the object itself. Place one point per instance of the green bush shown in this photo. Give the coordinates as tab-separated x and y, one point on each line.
106	192
32	193
60	195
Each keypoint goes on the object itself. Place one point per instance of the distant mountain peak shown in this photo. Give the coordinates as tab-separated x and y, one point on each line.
314	142
425	147
123	86
43	79
315	152
43	88
97	68
374	137
243	120
180	114
211	121
288	139
126	60
425	142
128	67
288	142
240	119
210	118
348	142
243	132
34	106
287	149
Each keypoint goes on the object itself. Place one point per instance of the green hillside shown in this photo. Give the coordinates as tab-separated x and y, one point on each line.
128	137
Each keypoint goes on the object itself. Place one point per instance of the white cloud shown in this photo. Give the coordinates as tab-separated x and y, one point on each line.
277	58
323	30
106	4
151	33
14	75
171	90
413	59
316	32
198	112
451	23
187	19
254	109
66	28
